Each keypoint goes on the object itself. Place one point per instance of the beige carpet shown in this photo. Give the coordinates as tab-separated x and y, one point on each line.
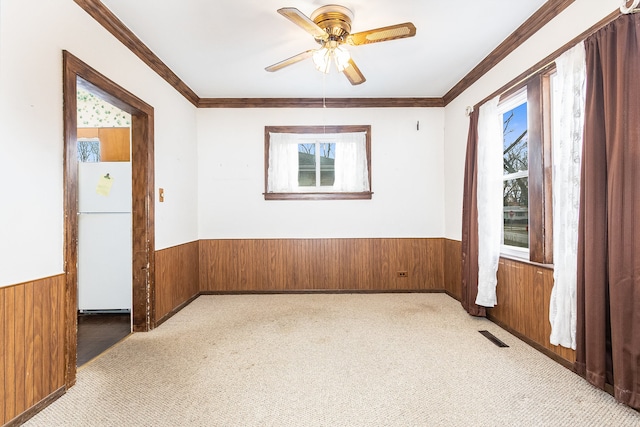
328	360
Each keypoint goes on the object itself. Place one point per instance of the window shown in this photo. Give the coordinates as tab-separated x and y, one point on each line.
317	162
515	175
88	150
527	207
316	165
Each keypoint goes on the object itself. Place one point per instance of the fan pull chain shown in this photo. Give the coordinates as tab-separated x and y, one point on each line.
324	90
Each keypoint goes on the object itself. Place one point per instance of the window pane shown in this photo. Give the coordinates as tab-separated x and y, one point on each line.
327	161
515	141
307	165
89	150
516	212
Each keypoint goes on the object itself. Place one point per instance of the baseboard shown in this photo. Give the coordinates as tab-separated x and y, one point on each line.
327	291
451	295
175	310
559	359
29	413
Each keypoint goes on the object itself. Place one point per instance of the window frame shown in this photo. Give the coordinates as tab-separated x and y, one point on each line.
539	119
317	195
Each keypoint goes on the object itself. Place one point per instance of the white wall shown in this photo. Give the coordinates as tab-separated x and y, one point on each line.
33	34
407	176
578	17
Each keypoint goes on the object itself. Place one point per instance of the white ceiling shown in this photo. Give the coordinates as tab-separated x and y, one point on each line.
220	48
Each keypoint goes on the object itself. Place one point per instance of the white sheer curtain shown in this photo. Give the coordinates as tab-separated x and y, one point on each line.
351	172
489	201
568	123
283	163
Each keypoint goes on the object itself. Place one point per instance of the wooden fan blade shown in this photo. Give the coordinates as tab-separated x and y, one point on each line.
383	34
289	61
353	73
304	22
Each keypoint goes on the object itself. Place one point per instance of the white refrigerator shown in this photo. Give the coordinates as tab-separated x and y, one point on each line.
104	237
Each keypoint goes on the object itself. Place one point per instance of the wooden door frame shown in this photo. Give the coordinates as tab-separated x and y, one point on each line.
78	74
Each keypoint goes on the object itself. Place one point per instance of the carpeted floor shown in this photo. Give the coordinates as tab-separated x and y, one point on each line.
328	360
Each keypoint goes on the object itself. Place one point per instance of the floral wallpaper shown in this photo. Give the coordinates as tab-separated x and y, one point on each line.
93	112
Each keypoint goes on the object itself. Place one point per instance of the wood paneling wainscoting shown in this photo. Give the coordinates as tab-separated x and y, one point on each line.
290	265
524	292
176	279
453	268
32	364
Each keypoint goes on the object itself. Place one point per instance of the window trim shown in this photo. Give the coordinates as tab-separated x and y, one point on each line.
323	195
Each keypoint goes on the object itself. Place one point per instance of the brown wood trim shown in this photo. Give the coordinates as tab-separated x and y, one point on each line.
320	103
547	161
541	65
70	175
365	195
318	129
327	291
539	19
526	261
116	27
76	72
29	413
535	146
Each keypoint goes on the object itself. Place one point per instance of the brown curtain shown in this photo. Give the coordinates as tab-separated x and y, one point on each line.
608	328
470	223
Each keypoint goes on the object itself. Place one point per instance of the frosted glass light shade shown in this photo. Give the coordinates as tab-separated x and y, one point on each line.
342	57
323	57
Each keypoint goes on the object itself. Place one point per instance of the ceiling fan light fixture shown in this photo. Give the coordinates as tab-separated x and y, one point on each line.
325	56
330	26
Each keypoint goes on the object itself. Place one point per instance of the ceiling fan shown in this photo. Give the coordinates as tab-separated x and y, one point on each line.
330	26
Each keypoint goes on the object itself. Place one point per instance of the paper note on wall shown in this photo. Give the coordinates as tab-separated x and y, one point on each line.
104	185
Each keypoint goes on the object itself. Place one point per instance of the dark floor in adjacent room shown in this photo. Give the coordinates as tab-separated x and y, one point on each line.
98	332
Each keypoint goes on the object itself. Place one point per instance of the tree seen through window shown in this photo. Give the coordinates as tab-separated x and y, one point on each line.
515	177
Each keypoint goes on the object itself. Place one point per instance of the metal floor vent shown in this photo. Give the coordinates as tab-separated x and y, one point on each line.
493	338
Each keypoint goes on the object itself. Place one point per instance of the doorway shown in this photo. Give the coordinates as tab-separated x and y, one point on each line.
77	74
104	225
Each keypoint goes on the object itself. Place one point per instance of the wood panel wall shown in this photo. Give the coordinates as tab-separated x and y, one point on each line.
524	292
277	265
453	268
176	279
115	143
32	364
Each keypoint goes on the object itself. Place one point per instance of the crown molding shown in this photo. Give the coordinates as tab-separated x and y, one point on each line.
111	23
116	27
539	19
320	103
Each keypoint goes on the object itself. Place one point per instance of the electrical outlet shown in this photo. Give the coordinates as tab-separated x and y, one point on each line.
403	274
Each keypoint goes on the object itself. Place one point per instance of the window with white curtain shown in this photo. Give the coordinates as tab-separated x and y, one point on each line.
317	162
